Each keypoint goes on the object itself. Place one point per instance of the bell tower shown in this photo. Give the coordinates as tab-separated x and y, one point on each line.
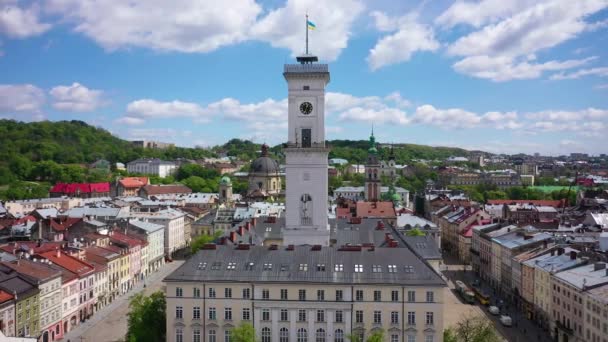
306	155
372	172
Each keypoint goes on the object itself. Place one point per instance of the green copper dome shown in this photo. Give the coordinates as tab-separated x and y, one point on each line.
225	180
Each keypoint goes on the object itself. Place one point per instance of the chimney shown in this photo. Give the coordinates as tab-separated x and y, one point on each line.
552	252
241	230
248	225
545	244
560	251
599	266
380	225
58	253
253	221
572	255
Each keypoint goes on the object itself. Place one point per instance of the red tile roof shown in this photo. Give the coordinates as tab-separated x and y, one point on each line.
126	239
61	225
134	182
31	246
467	232
73	188
550	203
33	269
81	268
375	209
5	296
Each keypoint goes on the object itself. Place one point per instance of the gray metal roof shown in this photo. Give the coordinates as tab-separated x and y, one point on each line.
425	246
361	233
145	225
212	266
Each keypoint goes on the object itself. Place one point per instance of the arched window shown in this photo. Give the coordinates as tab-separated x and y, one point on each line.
266	335
302	335
284	335
320	336
339	335
306	209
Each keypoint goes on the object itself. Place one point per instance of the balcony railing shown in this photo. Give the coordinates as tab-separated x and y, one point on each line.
305	68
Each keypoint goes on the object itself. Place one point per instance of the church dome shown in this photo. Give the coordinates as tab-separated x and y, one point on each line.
225	180
265	164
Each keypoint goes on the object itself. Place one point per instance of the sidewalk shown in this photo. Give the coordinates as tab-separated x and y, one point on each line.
120	304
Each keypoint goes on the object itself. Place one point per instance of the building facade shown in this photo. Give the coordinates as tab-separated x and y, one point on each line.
156	167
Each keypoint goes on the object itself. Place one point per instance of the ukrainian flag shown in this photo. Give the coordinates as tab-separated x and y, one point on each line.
311	25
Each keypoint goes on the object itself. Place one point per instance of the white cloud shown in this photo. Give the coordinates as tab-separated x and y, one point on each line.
179	25
503	68
230	108
21	98
204	26
601	72
480	13
501	51
545	25
153	109
17	22
76	98
602	86
409	38
129	120
449	118
284	27
570	116
384	116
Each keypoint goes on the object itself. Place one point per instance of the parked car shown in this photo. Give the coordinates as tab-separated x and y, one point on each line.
506	320
494	310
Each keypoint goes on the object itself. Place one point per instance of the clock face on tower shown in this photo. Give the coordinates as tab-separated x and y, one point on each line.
306	108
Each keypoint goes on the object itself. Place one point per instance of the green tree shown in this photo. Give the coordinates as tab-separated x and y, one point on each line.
472	329
202	240
147	318
415	232
376	336
244	332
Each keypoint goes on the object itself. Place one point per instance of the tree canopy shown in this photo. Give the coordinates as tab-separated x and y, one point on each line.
147	318
472	329
244	332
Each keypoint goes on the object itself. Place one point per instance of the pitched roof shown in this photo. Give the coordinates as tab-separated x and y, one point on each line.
212	265
73	188
63	224
81	268
32	269
550	203
375	209
5	296
134	182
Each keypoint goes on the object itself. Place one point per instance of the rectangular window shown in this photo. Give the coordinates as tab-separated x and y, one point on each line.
320	316
339	316
211	292
266	315
359	316
179	312
411	318
302	294
411	296
284	315
429	318
246	293
320	295
394	338
429	338
359	295
246	314
339	295
395	296
377	317
411	338
339	267
376	268
228	292
196	335
358	268
303	267
377	296
228	314
395	317
283	294
227	335
265	294
179	292
430	296
306	137
196	292
196	312
212	314
249	266
179	335
267	267
231	266
301	315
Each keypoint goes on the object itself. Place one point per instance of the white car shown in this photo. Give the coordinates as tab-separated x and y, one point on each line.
494	310
506	320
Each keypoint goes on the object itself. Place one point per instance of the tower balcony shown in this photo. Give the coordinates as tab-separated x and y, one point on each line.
305	68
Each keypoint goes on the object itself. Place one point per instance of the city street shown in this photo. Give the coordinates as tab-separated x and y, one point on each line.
522	329
110	323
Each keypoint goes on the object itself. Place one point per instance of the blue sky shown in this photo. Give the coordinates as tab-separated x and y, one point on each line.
501	76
